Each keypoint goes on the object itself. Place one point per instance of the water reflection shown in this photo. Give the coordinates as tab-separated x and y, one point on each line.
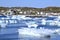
34	38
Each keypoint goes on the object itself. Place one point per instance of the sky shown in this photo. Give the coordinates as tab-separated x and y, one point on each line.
30	3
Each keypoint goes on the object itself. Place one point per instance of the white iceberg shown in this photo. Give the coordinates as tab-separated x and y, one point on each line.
36	32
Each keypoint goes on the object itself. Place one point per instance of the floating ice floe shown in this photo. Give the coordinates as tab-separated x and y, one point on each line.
26	18
57	31
35	32
51	22
3	25
42	32
31	24
43	22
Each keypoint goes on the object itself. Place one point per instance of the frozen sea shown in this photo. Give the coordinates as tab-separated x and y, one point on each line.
19	29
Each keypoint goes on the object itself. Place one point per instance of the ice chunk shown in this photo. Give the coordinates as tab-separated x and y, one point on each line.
43	22
3	25
31	24
35	32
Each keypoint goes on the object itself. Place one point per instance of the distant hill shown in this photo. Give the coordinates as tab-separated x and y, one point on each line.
47	9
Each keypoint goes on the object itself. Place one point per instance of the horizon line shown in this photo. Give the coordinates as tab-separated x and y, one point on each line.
29	7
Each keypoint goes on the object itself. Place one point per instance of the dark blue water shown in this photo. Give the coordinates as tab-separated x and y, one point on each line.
11	31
